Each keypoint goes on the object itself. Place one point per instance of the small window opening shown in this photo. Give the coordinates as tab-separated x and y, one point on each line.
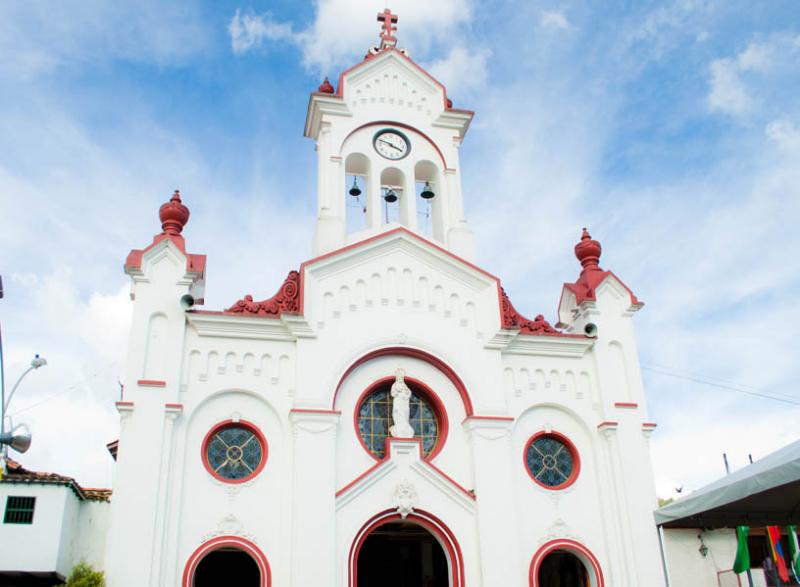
392	195
19	510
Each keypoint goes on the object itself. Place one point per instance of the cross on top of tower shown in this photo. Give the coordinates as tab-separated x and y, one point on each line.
387	28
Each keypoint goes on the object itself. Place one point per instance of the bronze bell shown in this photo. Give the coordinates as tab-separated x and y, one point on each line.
427	192
390	196
355	191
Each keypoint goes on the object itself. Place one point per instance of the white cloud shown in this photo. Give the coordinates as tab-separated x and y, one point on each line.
785	134
462	70
556	20
739	84
728	93
249	31
343	30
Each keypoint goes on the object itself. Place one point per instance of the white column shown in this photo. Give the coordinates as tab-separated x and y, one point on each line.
490	440
314	494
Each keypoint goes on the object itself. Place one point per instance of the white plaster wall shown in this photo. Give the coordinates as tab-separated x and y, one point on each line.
685	563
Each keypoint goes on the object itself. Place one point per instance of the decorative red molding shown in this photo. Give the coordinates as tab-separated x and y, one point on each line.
571	546
649	425
286	301
174	406
626	405
576	459
588	253
227	423
513	319
431	523
607	423
414	354
124	404
151	383
235	542
313	411
500	418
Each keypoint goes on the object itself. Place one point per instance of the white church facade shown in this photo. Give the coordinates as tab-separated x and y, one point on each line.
387	418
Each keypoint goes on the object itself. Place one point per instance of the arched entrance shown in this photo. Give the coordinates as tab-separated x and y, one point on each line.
418	551
227	560
565	563
402	554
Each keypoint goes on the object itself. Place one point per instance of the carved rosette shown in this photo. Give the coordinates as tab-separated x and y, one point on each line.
286	301
513	319
405	498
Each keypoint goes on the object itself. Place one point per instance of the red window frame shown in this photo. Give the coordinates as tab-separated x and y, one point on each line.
231	424
576	459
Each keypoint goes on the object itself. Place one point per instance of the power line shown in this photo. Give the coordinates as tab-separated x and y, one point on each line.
787	399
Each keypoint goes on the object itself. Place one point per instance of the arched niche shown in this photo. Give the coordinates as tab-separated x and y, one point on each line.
357	175
393	180
430	221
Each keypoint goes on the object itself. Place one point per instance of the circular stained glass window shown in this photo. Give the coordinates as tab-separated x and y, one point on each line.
552	460
234	452
375	417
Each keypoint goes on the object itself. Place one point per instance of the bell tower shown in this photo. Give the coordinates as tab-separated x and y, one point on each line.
388	141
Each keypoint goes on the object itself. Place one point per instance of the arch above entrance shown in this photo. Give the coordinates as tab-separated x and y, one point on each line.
222	542
425	356
429	522
573	547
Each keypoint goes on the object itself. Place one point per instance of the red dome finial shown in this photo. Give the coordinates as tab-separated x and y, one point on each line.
326	87
174	215
588	252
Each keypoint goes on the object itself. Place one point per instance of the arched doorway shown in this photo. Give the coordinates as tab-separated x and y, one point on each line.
421	542
565	563
227	560
227	566
402	554
563	569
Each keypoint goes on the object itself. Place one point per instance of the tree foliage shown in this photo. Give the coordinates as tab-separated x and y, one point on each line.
83	575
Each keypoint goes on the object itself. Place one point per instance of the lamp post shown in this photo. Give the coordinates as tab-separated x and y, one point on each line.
19	437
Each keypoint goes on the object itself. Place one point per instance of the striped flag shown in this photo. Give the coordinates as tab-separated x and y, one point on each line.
774	536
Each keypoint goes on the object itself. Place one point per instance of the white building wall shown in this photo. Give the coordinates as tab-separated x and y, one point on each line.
688	567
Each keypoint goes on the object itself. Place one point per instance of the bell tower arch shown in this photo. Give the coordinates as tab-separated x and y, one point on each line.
388	143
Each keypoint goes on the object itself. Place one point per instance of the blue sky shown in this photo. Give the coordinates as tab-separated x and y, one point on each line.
671	129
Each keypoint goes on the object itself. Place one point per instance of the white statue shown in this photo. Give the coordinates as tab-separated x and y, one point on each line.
401	395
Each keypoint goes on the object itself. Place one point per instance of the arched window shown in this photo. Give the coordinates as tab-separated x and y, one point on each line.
357	186
374	417
551	460
565	563
428	191
227	560
393	196
234	452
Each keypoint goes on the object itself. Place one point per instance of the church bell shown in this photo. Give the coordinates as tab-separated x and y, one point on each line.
390	196
427	192
355	191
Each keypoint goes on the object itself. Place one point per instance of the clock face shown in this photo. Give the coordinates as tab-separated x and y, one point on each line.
391	144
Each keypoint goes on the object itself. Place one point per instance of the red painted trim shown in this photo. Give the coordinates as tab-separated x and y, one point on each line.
228	423
649	425
175	406
415	354
499	418
377	465
236	542
576	458
151	383
123	404
401	125
607	423
568	545
431	523
626	405
313	411
416	386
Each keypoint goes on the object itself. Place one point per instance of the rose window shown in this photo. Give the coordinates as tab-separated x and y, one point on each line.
551	460
234	452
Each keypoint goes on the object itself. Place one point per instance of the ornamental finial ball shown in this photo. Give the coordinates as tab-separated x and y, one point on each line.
174	215
588	252
326	87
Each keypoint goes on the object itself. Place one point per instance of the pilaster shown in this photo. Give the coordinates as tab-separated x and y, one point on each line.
313	549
